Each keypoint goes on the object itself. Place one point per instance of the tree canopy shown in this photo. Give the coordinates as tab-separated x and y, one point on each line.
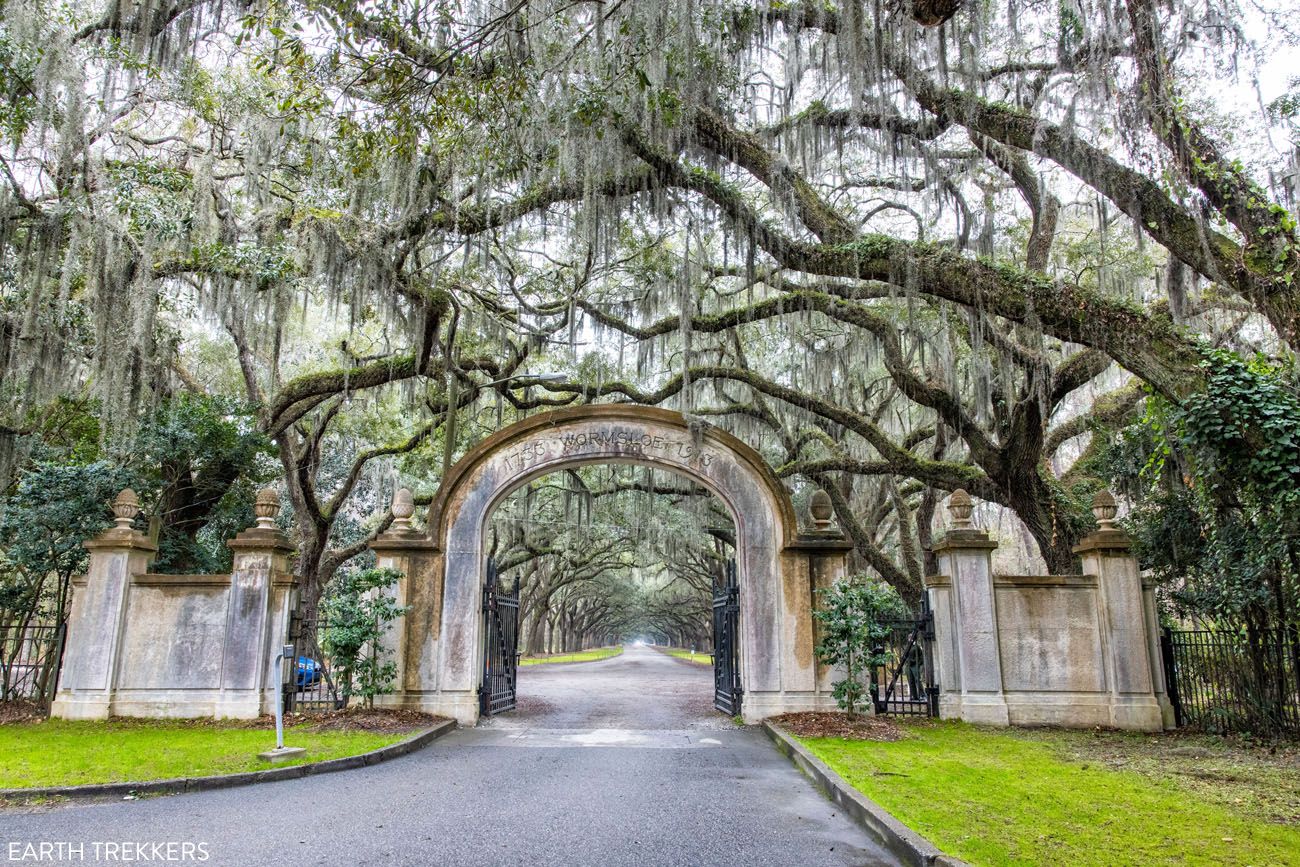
900	248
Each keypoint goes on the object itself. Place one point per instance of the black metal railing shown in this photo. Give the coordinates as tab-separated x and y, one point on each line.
498	692
309	685
30	657
904	685
727	692
1234	680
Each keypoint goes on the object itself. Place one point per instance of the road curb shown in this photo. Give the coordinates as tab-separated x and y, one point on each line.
893	835
226	781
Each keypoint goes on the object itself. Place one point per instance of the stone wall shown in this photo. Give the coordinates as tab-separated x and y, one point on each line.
1071	650
149	645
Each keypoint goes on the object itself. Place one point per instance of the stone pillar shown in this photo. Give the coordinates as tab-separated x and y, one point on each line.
96	619
1126	615
968	659
262	599
814	561
410	552
828	556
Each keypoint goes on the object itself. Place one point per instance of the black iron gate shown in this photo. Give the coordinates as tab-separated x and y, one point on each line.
726	672
500	645
309	685
907	675
30	658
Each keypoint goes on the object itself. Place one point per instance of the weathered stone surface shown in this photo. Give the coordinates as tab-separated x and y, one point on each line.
1048	630
97	618
411	553
1071	650
776	662
972	687
176	633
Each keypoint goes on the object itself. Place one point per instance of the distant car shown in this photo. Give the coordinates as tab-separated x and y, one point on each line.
309	673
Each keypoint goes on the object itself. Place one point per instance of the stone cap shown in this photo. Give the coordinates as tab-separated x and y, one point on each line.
959	539
1044	580
156	579
260	540
123	540
823	542
1104	540
402	536
403	540
962	533
264	535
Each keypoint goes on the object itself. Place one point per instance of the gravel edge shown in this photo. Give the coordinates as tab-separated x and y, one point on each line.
900	840
226	781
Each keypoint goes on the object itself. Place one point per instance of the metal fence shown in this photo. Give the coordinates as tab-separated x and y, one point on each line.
30	657
904	685
310	686
1234	680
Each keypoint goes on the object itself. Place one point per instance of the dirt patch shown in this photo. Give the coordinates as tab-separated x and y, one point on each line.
531	705
20	712
840	725
361	720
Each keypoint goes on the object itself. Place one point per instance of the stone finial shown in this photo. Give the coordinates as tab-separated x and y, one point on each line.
960	507
821	509
403	509
1104	509
266	507
125	508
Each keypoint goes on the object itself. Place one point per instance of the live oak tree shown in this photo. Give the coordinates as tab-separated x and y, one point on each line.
901	250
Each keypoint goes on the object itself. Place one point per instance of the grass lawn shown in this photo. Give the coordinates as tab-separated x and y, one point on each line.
581	656
996	796
689	656
72	753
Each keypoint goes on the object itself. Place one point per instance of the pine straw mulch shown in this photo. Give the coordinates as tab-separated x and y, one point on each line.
817	724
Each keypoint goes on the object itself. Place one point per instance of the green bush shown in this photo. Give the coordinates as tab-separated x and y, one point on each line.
358	612
853	616
1215	488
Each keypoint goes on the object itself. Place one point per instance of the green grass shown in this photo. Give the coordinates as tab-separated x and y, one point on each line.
73	753
581	656
994	796
689	656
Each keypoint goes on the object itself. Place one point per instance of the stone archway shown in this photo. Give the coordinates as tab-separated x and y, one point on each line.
439	643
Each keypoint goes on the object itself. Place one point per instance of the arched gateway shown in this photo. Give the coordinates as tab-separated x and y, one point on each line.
440	645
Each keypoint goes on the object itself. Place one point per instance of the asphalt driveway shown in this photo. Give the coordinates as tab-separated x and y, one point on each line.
619	762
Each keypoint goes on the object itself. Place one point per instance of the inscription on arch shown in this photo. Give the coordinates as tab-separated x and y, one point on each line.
598	440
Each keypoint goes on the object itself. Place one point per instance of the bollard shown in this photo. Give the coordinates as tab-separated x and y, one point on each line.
281	752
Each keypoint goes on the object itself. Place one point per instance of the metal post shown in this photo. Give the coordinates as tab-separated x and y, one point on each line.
1171	675
281	752
286	652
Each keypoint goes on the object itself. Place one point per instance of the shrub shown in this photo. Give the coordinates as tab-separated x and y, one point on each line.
853	616
358	613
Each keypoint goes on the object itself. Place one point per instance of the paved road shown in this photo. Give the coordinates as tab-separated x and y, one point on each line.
619	762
